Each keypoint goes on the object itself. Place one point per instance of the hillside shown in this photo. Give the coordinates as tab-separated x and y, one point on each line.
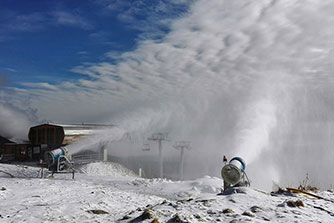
111	194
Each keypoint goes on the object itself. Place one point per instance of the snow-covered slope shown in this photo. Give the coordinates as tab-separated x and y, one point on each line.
105	197
107	169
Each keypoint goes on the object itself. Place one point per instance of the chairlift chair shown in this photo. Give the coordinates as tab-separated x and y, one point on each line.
146	147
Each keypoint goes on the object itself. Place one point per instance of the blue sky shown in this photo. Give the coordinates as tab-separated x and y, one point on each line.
41	41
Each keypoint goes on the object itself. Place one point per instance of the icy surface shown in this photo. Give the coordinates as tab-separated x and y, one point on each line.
105	195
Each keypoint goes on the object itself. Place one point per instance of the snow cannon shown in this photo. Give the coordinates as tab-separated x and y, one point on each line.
234	171
55	156
58	161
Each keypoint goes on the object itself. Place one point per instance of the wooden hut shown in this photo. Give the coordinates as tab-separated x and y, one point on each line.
44	138
5	154
56	135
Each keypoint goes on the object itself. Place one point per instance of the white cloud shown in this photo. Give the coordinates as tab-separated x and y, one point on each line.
41	85
83	53
68	85
10	69
13	21
22	22
216	52
150	18
71	19
14	123
113	55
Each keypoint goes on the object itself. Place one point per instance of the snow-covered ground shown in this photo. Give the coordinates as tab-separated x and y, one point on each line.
106	192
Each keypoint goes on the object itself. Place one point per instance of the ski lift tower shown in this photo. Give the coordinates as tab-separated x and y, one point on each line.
159	137
182	145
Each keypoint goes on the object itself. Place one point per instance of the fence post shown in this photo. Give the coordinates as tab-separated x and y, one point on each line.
105	155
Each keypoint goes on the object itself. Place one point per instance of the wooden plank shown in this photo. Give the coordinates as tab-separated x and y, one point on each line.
293	190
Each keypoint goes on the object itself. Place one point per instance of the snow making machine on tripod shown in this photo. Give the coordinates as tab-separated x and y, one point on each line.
58	161
233	173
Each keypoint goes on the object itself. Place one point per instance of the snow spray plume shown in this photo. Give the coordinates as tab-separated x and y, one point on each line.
258	121
307	145
240	46
100	139
129	127
14	122
242	50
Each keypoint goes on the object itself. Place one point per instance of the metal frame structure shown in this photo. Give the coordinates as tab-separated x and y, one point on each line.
159	137
182	145
63	166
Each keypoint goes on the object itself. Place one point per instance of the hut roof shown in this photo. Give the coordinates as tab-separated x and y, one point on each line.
73	132
4	140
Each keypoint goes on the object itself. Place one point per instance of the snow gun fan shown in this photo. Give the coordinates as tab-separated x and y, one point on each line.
234	173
